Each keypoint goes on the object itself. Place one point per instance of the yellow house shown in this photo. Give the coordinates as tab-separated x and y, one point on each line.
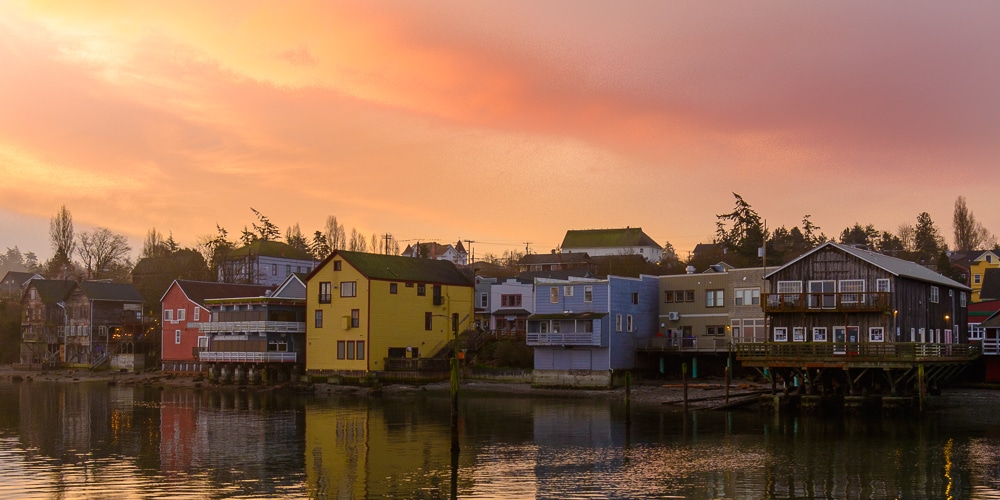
977	271
369	310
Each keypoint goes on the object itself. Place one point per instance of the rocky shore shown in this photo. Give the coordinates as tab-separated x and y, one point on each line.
701	395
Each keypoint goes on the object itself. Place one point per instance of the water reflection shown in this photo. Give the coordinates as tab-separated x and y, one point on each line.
91	440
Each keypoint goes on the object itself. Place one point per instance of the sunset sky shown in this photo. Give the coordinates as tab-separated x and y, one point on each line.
499	122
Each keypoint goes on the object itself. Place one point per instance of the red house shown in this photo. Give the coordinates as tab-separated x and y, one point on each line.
183	308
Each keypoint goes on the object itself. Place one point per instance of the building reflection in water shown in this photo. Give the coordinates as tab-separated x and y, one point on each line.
84	440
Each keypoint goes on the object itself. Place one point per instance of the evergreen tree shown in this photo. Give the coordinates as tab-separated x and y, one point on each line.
927	240
746	235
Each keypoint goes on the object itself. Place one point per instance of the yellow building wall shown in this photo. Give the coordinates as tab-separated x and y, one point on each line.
398	320
387	320
979	268
321	343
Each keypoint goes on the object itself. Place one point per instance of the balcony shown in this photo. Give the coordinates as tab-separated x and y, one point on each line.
827	302
564	339
251	326
247	357
686	344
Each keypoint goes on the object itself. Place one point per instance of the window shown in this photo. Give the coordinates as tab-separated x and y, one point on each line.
168	315
318	319
393	288
428	320
876	334
688	295
635	297
409	285
747	297
714	298
798	334
554	295
588	293
181	314
821	294
780	334
348	288
274	269
961	299
989	258
421	289
355	318
197	314
977	279
568	291
341	349
350	349
484	300
882	285
935	295
511	300
819	334
337	265
847	290
361	349
288	269
976	332
438	299
177	336
618	322
715	330
628	323
325	292
668	297
543	327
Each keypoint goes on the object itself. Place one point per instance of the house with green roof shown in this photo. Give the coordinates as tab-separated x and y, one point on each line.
264	262
377	313
602	242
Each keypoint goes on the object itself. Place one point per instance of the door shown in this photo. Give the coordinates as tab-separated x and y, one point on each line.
839	340
853	337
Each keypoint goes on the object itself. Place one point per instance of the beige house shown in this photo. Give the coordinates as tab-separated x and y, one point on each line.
711	310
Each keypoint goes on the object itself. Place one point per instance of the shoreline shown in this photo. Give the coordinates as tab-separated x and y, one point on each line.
665	392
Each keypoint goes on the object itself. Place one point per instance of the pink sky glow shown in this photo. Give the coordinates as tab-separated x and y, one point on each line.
499	122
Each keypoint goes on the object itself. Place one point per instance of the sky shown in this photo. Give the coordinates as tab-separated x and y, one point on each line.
505	123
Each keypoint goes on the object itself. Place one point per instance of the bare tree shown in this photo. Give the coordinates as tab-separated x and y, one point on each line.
335	236
969	233
907	233
154	245
357	243
61	233
102	252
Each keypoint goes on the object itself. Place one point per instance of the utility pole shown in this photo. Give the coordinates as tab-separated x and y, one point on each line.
472	256
527	250
388	239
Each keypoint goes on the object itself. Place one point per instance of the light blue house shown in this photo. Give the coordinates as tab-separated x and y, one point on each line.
582	330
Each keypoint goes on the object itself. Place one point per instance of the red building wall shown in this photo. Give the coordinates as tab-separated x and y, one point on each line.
174	354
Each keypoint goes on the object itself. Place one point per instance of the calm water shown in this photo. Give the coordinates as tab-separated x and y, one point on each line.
89	440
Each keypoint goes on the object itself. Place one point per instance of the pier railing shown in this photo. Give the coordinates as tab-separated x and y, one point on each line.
247	357
870	353
685	344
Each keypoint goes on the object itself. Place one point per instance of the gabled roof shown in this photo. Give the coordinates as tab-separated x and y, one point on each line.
398	268
991	285
270	249
52	291
608	238
293	286
112	292
20	278
199	291
434	249
895	266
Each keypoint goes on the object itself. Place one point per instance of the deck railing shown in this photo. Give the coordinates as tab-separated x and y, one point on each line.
855	351
554	339
685	344
417	364
251	326
991	347
247	357
827	302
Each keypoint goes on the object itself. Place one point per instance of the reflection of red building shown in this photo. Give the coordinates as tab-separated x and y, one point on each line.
183	308
178	431
984	327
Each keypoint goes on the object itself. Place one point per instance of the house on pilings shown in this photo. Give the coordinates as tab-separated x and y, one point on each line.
848	320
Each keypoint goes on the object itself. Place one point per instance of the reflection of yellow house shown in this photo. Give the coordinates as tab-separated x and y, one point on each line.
367	309
977	271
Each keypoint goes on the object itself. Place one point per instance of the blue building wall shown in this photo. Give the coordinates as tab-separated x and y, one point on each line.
612	297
